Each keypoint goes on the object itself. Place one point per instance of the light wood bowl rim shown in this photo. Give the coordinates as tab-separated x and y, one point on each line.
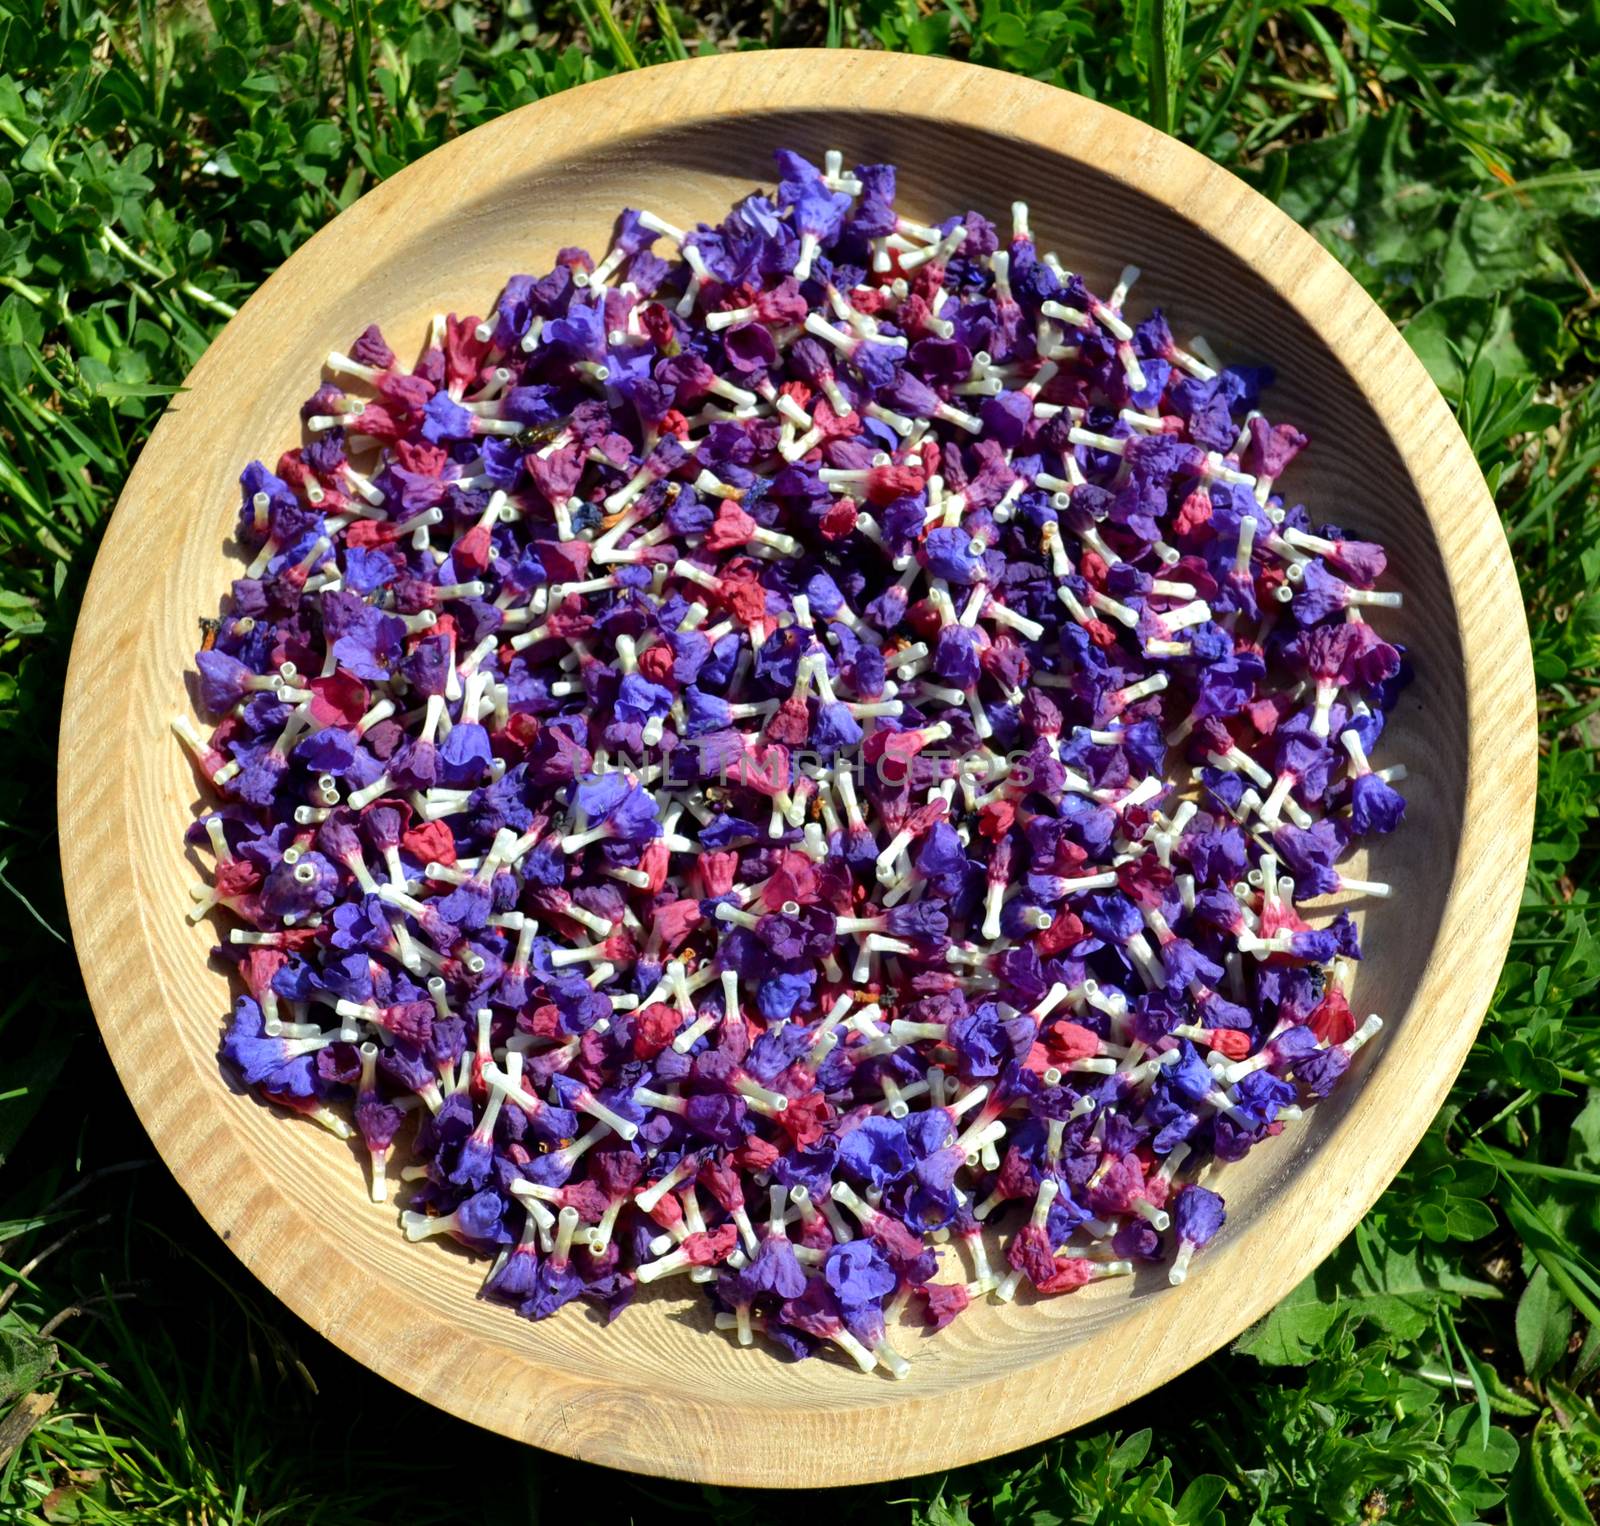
914	1433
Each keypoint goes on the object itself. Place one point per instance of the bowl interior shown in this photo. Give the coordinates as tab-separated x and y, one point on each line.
649	1391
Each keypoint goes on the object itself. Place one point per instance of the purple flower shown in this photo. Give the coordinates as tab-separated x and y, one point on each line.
1190	1079
224	681
877	1151
282	1065
780	994
639	700
951	555
1197	1214
1226	687
775	1269
1217	856
717	1117
980	1039
553	1288
956	655
464	755
858	1274
296	890
1261	1093
818	212
1322	1070
1374	806
873	215
444	419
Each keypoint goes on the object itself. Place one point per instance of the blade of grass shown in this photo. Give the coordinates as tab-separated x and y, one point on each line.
621	49
1162	45
669	30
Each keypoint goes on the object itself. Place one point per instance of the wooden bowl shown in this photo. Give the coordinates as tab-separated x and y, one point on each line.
658	1392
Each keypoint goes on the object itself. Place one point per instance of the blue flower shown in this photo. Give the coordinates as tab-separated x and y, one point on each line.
817	210
1374	806
553	1289
780	994
639	700
1197	1214
980	1040
951	555
1190	1078
859	1274
776	1270
445	419
283	1065
877	1151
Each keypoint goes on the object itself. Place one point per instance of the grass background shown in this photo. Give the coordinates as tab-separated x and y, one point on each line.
157	161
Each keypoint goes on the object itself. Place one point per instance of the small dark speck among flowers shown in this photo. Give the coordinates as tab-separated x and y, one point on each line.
786	749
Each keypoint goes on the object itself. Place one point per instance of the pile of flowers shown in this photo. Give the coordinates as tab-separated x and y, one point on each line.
780	752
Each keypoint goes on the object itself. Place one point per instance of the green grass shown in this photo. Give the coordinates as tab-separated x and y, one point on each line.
156	162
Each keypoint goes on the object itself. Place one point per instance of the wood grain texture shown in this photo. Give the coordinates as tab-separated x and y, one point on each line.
657	1392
